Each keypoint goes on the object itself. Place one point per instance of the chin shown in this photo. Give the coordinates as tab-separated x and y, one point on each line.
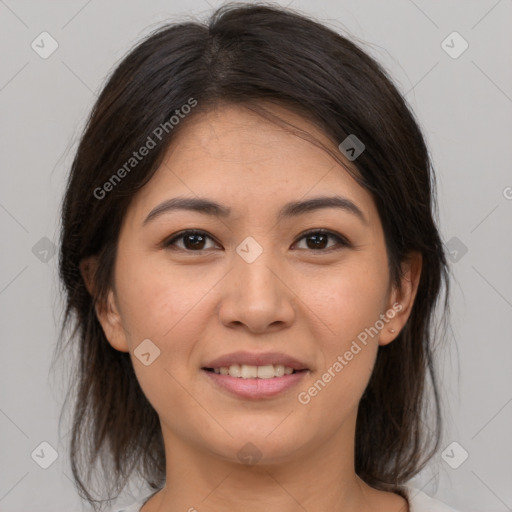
253	446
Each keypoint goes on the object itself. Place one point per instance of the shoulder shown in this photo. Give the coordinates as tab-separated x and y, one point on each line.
421	502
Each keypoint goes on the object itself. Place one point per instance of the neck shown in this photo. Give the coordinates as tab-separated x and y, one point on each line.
313	480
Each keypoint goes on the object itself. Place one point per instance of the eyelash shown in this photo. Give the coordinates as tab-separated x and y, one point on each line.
342	241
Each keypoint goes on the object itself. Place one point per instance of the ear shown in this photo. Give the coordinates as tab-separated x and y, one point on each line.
402	300
107	314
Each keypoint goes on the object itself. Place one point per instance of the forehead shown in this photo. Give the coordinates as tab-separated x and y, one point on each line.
238	158
235	134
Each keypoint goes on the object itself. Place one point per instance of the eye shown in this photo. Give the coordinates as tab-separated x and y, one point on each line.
319	239
195	240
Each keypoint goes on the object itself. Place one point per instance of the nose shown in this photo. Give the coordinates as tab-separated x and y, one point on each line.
257	296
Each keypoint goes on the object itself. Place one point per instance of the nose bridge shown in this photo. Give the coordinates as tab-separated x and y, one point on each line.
257	295
256	264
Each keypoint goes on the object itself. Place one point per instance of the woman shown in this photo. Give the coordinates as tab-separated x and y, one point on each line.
252	265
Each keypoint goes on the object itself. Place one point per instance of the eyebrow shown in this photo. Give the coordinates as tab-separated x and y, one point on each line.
293	209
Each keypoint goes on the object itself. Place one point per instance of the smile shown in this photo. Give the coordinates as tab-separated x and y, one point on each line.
245	371
244	381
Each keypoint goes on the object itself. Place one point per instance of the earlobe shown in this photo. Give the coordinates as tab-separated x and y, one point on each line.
107	314
402	300
111	322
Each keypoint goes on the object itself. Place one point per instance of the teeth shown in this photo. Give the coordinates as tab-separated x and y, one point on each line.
268	371
246	371
235	370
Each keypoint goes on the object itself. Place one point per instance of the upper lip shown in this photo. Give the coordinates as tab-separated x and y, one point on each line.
255	359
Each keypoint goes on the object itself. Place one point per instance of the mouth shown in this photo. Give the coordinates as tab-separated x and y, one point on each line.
252	375
245	371
254	382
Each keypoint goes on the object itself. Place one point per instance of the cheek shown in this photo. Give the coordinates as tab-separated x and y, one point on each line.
350	306
347	301
157	302
166	309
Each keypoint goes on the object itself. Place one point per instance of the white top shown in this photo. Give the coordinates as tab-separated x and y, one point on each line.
418	502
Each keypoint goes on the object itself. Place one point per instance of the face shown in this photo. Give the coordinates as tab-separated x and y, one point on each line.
253	281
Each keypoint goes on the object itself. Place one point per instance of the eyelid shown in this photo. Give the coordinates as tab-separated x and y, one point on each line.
168	243
341	239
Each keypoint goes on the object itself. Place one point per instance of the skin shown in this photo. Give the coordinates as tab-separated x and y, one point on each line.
294	298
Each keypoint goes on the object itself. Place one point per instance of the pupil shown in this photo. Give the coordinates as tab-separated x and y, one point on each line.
316	246
188	238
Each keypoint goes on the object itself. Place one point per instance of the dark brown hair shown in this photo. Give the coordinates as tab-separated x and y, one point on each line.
249	55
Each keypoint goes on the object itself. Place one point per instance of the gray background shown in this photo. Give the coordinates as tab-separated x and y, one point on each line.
464	105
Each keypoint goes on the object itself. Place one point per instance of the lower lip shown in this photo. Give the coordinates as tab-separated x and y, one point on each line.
256	388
